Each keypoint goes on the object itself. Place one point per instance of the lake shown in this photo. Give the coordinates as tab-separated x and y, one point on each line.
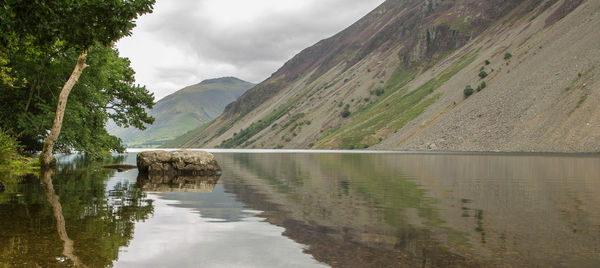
312	209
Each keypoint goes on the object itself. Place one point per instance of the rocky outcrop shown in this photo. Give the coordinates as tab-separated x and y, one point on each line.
182	162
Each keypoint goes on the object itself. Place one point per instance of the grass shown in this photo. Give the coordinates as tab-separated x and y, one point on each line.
393	112
461	24
256	127
578	82
242	138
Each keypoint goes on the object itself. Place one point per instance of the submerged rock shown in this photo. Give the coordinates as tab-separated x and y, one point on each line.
182	162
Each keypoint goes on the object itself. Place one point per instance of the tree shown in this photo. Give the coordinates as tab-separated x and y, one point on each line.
106	90
34	29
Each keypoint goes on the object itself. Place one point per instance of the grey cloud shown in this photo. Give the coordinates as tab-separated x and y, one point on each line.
254	49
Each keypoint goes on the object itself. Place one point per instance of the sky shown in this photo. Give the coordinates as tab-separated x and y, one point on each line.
184	42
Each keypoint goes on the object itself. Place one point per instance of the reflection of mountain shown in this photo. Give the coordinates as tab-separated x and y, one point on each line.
433	210
98	220
338	217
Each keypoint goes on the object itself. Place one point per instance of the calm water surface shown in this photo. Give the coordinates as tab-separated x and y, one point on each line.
311	210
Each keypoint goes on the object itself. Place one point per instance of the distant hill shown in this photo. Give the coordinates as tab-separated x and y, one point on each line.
184	110
464	75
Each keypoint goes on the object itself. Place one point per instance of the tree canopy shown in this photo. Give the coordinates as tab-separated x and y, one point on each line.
40	42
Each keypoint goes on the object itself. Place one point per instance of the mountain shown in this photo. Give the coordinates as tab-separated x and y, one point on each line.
453	75
183	110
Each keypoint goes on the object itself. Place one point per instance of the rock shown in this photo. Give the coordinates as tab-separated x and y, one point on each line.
182	162
432	146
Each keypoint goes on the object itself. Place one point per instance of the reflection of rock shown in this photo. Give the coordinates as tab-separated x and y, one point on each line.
182	162
119	167
165	183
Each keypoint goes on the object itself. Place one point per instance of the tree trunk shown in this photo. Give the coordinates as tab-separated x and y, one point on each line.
60	110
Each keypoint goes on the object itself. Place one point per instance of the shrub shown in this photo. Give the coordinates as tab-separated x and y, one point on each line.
378	91
8	148
482	86
468	91
507	56
487	62
345	113
483	74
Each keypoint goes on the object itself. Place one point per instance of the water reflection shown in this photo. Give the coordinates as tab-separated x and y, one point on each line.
431	210
53	199
303	210
166	183
71	218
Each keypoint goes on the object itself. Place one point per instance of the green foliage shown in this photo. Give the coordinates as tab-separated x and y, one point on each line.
40	42
345	113
487	62
507	56
468	91
12	163
105	90
75	24
481	86
483	74
8	148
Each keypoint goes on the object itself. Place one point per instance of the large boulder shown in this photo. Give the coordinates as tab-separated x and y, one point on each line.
182	162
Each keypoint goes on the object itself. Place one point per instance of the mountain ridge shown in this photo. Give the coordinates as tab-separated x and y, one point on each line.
184	109
398	75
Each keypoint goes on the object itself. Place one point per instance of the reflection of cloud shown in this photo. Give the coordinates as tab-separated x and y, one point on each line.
178	237
246	39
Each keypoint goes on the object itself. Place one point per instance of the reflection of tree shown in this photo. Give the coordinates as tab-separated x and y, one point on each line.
96	220
68	249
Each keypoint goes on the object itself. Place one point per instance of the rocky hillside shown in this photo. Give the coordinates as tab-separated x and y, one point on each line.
184	110
463	75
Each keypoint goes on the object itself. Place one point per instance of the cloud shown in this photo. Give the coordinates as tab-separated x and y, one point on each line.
186	41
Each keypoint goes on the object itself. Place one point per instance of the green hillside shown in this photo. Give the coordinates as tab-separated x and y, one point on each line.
184	110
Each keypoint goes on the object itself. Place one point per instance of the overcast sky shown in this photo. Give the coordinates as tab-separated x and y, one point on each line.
186	41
